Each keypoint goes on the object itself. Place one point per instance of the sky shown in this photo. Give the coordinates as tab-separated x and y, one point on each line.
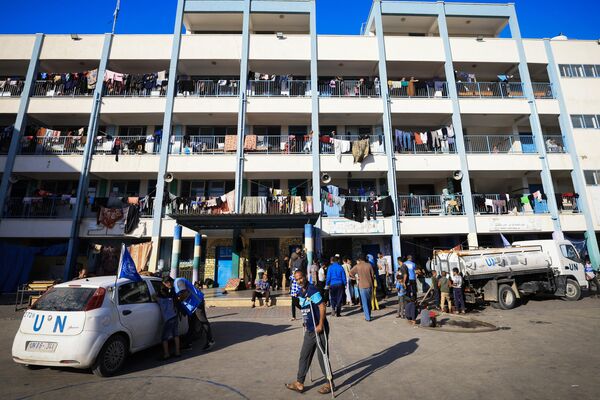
578	19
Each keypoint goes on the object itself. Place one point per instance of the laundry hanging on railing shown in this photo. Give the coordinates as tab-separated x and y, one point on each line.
66	84
441	140
120	84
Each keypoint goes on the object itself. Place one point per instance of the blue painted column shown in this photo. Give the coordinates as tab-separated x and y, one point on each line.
166	137
241	128
309	243
92	131
536	126
314	122
566	127
20	121
458	128
387	133
196	263
176	251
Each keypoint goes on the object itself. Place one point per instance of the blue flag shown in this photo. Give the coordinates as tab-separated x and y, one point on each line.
127	268
505	242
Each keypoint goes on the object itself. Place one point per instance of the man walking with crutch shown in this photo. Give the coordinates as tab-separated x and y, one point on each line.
316	336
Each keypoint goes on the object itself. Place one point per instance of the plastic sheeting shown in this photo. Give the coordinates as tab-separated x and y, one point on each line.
16	263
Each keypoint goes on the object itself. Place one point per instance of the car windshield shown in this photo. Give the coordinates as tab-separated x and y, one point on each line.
64	299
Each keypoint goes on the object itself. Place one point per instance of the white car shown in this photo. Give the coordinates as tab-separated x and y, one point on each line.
82	324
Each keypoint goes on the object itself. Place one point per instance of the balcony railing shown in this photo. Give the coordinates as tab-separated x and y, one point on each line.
331	209
444	147
375	142
38	207
291	144
490	90
212	88
555	144
54	145
440	90
500	204
430	205
278	205
50	89
542	90
198	144
280	88
129	145
11	88
354	88
141	92
500	144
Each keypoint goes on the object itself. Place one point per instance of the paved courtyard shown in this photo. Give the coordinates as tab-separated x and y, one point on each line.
545	349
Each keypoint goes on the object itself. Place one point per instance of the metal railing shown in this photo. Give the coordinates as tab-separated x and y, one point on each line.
542	90
283	205
125	92
292	144
51	89
499	90
330	209
38	207
279	88
444	147
499	204
214	88
438	91
129	145
198	144
500	144
375	141
352	88
11	90
555	144
54	145
419	205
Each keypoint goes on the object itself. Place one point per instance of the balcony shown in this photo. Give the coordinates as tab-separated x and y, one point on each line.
555	144
331	209
51	89
198	145
209	88
126	145
282	88
276	205
498	204
11	88
350	88
376	143
430	205
490	90
62	145
500	144
437	89
39	207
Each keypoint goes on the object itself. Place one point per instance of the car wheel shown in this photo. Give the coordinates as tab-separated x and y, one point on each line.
111	357
572	290
506	297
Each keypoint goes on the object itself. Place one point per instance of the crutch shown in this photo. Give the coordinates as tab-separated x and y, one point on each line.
328	373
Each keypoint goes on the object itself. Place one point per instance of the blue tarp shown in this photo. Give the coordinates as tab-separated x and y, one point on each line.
16	263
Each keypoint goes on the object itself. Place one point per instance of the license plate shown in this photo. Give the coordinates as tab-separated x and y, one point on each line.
44	347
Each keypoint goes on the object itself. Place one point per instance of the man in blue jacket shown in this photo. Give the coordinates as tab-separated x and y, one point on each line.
336	282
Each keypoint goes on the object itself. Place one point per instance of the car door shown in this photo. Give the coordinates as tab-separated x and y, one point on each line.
139	314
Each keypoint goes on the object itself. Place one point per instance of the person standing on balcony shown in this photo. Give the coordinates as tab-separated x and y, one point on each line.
411	90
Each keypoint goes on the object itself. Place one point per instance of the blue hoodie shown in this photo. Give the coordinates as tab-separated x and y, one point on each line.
335	275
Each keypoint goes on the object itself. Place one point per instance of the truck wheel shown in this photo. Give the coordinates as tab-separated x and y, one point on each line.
572	290
506	297
111	357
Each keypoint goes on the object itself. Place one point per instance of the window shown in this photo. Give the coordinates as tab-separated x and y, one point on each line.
577	71
327	129
125	188
299	130
577	121
592	178
261	187
274	130
565	70
157	286
132	131
569	252
134	293
64	299
590	121
216	188
590	71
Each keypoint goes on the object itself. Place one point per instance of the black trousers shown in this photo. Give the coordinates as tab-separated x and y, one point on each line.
198	321
295	304
337	297
309	346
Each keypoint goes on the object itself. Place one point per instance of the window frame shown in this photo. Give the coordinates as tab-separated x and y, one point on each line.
564	251
134	284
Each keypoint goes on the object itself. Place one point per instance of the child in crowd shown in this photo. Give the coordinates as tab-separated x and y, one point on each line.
170	322
401	288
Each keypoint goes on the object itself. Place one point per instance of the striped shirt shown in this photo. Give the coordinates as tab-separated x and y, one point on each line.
294	287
